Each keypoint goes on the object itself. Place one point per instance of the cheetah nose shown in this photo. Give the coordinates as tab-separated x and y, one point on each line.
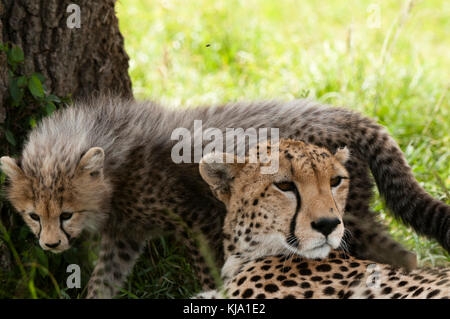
325	225
54	245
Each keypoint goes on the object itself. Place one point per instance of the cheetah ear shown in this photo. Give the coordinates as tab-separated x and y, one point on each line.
92	162
342	155
218	174
10	168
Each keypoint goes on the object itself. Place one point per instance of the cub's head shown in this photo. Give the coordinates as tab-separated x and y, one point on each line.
298	209
57	195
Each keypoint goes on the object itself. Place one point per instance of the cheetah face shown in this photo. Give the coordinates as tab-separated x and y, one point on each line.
297	210
55	205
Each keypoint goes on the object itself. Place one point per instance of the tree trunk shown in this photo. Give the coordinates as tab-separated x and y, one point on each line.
76	61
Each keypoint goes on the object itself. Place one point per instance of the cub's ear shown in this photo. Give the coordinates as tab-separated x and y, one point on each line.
10	168
342	155
218	174
92	162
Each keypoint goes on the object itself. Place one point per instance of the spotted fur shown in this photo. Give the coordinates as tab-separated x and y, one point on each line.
138	187
274	247
339	276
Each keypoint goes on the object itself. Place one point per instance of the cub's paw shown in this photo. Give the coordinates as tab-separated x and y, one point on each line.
210	294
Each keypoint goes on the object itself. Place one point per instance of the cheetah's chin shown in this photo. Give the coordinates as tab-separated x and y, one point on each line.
319	252
55	250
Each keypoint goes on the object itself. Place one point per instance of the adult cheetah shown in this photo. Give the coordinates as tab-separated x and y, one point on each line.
274	222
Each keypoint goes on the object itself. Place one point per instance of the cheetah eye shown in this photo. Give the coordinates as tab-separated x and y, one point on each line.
65	216
285	186
336	181
34	216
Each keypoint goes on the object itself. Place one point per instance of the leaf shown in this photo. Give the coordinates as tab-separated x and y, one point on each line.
10	137
53	98
35	86
32	288
16	55
32	122
67	99
22	81
42	79
15	91
39	76
50	108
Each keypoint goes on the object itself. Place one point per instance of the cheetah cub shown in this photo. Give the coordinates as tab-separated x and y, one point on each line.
282	230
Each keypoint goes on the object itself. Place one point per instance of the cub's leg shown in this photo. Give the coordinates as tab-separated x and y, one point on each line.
118	254
204	246
198	258
121	248
210	294
370	240
121	245
367	238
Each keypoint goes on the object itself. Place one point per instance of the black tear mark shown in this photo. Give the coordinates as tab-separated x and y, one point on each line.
40	229
294	219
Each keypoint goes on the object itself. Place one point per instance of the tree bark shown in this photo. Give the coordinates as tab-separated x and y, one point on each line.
76	61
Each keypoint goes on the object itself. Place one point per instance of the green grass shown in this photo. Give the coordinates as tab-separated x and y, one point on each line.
185	53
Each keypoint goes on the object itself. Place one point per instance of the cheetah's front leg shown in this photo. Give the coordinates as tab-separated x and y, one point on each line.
118	255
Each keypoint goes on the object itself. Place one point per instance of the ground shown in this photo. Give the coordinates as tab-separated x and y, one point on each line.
388	60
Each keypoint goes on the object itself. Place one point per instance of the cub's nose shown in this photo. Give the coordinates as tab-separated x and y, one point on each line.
54	245
325	225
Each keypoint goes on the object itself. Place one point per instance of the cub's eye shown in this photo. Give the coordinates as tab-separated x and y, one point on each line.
336	181
66	216
286	186
34	216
